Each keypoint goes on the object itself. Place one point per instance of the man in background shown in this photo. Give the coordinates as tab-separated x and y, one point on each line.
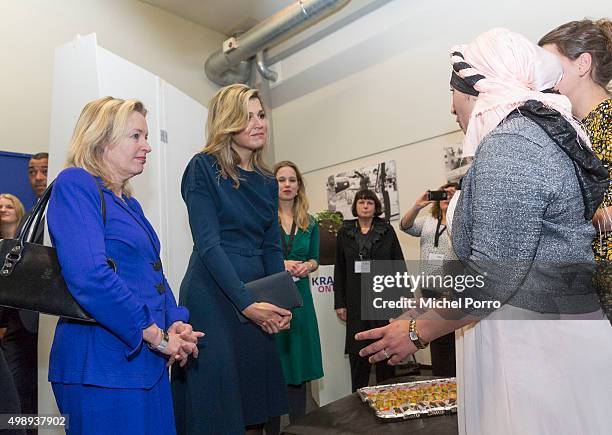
37	174
20	343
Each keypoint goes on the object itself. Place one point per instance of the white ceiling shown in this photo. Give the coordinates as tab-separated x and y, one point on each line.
224	16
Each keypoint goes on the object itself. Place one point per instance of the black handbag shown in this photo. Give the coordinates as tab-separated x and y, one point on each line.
30	274
278	289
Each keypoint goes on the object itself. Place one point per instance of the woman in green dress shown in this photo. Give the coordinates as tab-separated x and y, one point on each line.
299	347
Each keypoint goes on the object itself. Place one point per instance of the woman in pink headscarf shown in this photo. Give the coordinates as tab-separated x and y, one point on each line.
536	348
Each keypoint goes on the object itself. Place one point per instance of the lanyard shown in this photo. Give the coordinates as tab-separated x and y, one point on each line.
287	247
438	232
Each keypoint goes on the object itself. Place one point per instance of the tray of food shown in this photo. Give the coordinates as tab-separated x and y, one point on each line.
412	399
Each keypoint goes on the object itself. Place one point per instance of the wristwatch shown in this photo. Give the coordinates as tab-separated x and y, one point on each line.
414	335
163	344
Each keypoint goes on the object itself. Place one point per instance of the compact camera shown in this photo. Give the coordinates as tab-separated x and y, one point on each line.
438	195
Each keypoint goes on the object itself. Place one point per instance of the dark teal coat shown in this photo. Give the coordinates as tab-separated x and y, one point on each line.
237	379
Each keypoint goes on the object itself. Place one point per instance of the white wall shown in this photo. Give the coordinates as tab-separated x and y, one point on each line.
382	81
170	47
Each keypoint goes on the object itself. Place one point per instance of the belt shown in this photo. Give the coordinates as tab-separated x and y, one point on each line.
244	252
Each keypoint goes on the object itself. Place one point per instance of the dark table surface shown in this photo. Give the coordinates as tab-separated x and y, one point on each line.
350	415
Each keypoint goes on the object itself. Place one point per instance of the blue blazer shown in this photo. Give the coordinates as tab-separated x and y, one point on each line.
110	353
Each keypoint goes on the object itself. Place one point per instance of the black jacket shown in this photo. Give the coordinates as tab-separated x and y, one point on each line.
383	245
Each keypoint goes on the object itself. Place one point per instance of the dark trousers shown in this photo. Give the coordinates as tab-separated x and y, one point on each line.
9	404
443	356
297	408
360	371
20	349
297	401
443	361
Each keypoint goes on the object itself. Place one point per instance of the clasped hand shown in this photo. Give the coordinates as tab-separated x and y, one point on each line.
299	269
269	317
182	342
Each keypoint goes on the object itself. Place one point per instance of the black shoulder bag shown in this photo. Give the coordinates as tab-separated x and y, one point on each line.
30	274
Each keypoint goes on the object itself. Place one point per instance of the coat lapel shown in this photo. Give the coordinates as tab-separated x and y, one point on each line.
141	221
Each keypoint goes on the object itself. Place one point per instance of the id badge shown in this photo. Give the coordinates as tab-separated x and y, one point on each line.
436	258
362	267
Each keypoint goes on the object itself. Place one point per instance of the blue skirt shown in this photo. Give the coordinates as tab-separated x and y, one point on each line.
96	410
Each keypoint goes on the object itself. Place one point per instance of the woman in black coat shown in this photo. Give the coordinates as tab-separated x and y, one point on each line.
360	240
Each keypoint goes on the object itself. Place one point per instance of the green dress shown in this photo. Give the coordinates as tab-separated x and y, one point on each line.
300	347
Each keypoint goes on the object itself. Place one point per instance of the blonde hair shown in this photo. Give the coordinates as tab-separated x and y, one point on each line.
101	122
228	114
300	202
19	209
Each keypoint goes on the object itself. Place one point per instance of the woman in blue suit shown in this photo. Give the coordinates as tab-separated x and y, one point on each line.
111	377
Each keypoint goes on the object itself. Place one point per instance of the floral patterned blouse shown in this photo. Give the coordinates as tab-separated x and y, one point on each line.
598	124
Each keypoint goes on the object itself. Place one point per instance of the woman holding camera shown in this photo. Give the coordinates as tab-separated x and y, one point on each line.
436	247
361	240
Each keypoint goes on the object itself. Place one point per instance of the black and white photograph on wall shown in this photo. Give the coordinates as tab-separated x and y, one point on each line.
380	178
455	164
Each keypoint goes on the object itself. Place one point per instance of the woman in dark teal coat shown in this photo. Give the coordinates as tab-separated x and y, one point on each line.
237	384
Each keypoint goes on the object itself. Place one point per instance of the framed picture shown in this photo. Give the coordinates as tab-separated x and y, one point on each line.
381	178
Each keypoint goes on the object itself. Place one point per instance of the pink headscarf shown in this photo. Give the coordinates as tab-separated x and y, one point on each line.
515	70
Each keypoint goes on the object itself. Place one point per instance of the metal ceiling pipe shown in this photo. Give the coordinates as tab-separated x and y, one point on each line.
263	69
224	66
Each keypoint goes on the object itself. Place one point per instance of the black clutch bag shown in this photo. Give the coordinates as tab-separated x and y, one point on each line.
30	274
278	289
